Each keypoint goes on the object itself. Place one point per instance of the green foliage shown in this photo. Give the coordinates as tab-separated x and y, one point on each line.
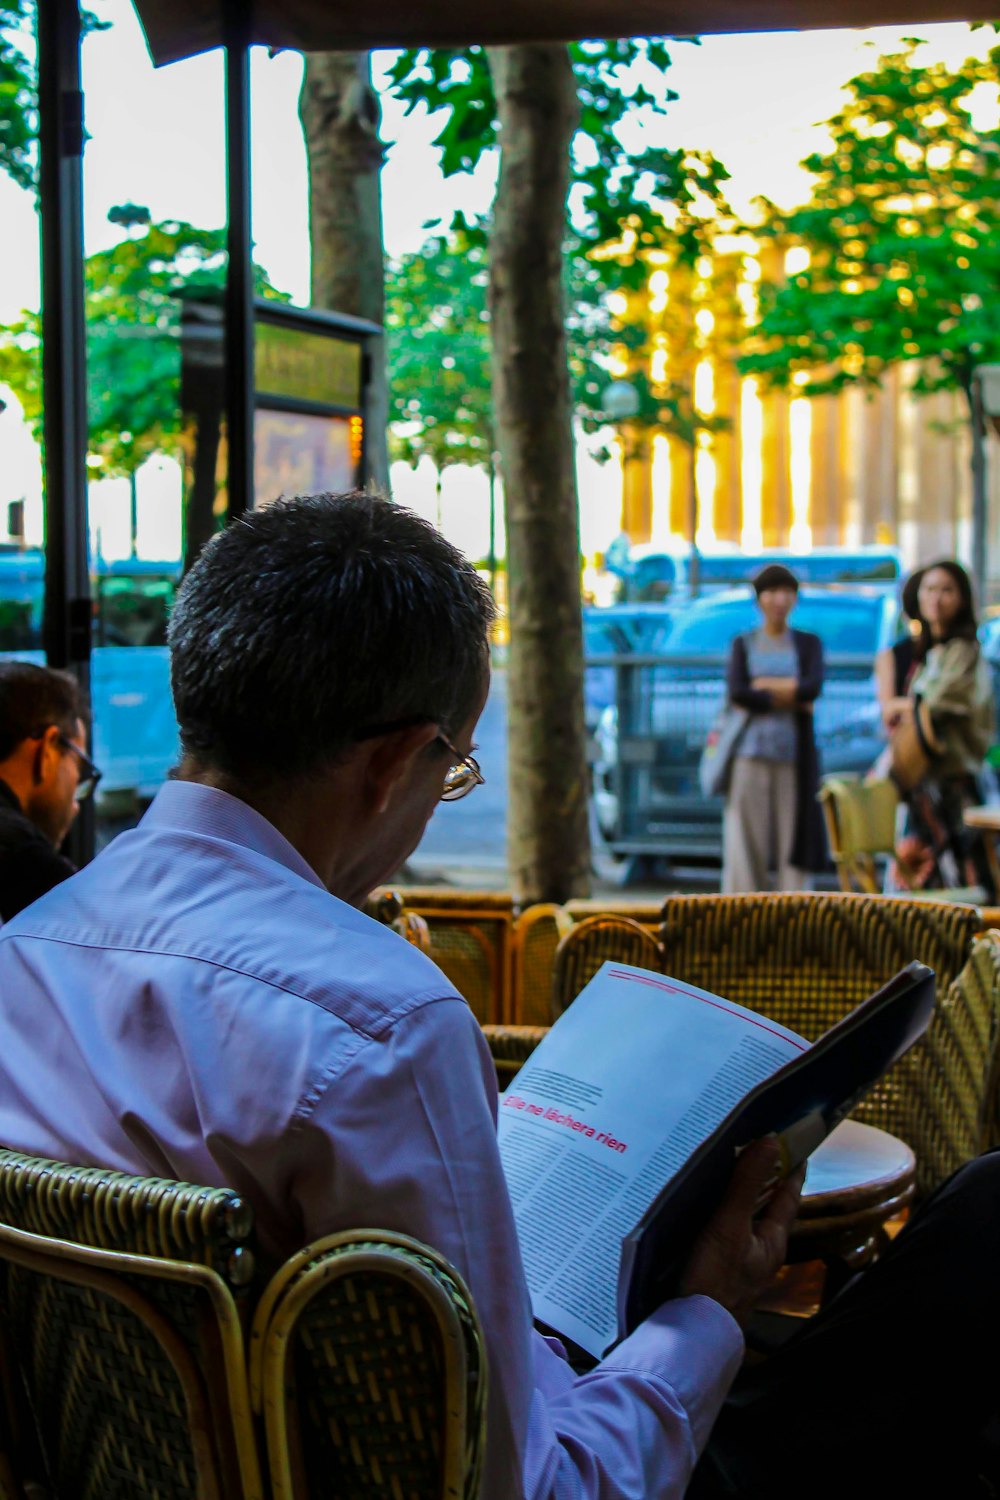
625	204
19	88
903	233
17	92
615	79
133	350
437	327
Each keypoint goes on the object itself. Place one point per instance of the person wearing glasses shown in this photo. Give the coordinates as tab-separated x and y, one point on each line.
45	773
207	1001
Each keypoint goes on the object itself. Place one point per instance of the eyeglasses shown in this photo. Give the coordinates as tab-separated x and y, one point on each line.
461	777
89	774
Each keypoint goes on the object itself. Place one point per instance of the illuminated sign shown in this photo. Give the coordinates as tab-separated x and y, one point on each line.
300	365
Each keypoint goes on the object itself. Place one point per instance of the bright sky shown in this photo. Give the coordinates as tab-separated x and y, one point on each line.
156	138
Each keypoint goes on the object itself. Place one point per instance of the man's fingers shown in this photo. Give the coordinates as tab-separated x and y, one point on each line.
755	1172
784	1204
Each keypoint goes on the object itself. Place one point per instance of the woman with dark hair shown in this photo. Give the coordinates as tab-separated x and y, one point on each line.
944	703
772	818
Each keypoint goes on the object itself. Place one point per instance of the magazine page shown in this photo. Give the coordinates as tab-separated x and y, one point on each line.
801	1104
638	1072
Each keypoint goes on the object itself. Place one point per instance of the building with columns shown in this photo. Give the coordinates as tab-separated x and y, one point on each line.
783	469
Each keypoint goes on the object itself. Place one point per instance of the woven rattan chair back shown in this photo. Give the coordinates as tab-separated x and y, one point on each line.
806	960
467	954
119	1308
368	1363
949	1083
472	936
537	934
595	941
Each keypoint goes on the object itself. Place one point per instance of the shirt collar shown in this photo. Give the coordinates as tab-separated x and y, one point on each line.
193	808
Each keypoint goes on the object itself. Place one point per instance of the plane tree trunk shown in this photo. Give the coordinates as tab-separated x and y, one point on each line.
548	837
340	118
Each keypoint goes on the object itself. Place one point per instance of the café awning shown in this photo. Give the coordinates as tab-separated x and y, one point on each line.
181	28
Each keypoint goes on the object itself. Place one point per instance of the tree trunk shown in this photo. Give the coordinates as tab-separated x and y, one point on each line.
547	807
340	118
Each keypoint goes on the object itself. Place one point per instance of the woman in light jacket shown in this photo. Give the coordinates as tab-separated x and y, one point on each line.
772	817
949	702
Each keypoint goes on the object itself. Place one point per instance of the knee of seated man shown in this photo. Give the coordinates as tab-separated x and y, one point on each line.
969	1204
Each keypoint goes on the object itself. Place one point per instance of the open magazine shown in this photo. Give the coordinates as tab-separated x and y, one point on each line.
619	1134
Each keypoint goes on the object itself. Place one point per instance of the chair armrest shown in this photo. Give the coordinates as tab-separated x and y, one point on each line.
511	1046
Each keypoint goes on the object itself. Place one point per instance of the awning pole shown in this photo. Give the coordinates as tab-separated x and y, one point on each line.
239	272
67	619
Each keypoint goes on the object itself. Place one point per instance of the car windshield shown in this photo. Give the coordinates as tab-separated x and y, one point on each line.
841	624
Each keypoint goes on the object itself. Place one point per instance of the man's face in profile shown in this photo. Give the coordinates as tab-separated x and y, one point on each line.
52	804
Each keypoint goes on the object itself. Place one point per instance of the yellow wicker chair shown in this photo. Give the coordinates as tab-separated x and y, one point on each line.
805	960
593	942
470	936
537	935
120	1305
861	823
368	1365
123	1308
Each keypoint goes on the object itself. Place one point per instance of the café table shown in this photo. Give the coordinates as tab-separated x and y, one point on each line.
987	821
856	1181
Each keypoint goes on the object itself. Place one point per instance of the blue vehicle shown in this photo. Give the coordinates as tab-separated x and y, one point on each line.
135	740
649	576
649	741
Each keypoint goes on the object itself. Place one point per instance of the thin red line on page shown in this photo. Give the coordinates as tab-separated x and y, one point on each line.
680	989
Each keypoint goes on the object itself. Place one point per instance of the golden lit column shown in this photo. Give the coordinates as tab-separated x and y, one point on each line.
728	507
828	443
776	479
637	484
878	474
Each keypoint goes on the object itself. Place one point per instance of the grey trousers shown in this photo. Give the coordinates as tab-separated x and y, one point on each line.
758	828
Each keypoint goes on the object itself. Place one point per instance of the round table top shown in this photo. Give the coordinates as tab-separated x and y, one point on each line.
983	817
855	1166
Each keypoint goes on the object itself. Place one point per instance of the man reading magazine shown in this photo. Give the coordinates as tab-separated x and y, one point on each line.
206	1001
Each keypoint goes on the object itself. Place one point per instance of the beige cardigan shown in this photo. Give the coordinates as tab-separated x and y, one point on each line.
955	686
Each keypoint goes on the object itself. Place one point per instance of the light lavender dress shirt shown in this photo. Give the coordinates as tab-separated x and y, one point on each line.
195	1004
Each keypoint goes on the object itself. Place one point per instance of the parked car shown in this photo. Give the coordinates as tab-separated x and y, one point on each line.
649	742
617	630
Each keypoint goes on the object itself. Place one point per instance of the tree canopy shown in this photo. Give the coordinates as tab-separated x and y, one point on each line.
17	92
902	230
133	351
437	327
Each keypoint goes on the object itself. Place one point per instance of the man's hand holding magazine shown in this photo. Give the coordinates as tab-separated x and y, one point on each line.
740	1251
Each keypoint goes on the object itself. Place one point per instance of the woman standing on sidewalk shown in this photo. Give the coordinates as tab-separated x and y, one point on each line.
944	709
772	817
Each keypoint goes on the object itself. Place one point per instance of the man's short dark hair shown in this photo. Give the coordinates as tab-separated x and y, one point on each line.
32	698
311	621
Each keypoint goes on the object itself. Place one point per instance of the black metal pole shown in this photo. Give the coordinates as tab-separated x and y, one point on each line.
239	272
66	627
979	491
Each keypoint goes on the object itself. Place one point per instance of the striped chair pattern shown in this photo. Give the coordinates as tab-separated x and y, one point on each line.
125	1306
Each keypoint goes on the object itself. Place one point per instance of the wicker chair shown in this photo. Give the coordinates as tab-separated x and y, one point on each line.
120	1303
805	960
123	1308
469	937
861	823
368	1365
590	944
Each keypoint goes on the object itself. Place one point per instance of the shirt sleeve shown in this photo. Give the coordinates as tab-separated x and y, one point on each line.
404	1137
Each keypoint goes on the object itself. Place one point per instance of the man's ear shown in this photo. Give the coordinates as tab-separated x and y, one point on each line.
47	754
390	757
